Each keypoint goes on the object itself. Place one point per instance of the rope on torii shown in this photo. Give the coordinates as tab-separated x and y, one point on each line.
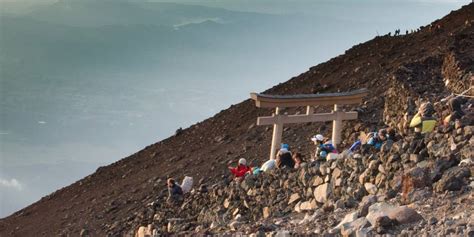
309	101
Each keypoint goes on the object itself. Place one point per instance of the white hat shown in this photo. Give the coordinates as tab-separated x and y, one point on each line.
318	137
242	161
284	150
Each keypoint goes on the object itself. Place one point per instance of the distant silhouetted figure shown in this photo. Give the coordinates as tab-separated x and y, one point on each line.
397	32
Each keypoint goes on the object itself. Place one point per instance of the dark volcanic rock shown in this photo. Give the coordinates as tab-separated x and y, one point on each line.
453	179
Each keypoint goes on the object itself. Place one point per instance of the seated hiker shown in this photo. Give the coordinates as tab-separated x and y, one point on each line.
268	165
423	121
174	190
355	146
456	112
377	139
298	159
256	170
284	158
392	135
241	170
322	148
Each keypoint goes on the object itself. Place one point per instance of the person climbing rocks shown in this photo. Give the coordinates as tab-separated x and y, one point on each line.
174	190
284	157
241	170
456	112
323	149
377	139
298	159
423	121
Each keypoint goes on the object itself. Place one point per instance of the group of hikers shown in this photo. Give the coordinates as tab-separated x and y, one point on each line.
423	122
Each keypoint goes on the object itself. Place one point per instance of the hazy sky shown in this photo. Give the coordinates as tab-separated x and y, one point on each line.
84	85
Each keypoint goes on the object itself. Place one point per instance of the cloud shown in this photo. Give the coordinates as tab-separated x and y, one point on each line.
12	183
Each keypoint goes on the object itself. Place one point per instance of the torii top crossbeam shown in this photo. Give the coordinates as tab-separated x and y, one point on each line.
286	101
307	100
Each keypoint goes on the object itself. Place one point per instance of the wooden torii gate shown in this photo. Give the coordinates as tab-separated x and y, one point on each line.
309	101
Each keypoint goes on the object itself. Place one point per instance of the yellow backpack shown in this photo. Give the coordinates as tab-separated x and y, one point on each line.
428	126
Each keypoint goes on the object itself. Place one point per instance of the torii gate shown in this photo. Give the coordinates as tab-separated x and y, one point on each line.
309	101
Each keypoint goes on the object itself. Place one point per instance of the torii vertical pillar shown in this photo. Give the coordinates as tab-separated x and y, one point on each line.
277	134
336	127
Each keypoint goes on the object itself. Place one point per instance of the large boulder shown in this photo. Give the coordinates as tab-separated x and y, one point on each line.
441	165
308	205
399	214
378	210
317	180
348	229
415	178
293	198
453	179
404	215
347	219
371	188
366	202
322	192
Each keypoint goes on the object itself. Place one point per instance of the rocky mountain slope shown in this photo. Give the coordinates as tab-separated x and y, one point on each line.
429	64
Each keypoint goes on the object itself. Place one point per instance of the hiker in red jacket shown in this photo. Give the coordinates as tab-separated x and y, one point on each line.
241	170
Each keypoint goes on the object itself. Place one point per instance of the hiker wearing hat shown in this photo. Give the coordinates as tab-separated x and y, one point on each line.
377	139
322	149
284	158
241	170
423	121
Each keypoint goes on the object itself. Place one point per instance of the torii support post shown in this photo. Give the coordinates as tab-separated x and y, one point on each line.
277	133
308	100
336	127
